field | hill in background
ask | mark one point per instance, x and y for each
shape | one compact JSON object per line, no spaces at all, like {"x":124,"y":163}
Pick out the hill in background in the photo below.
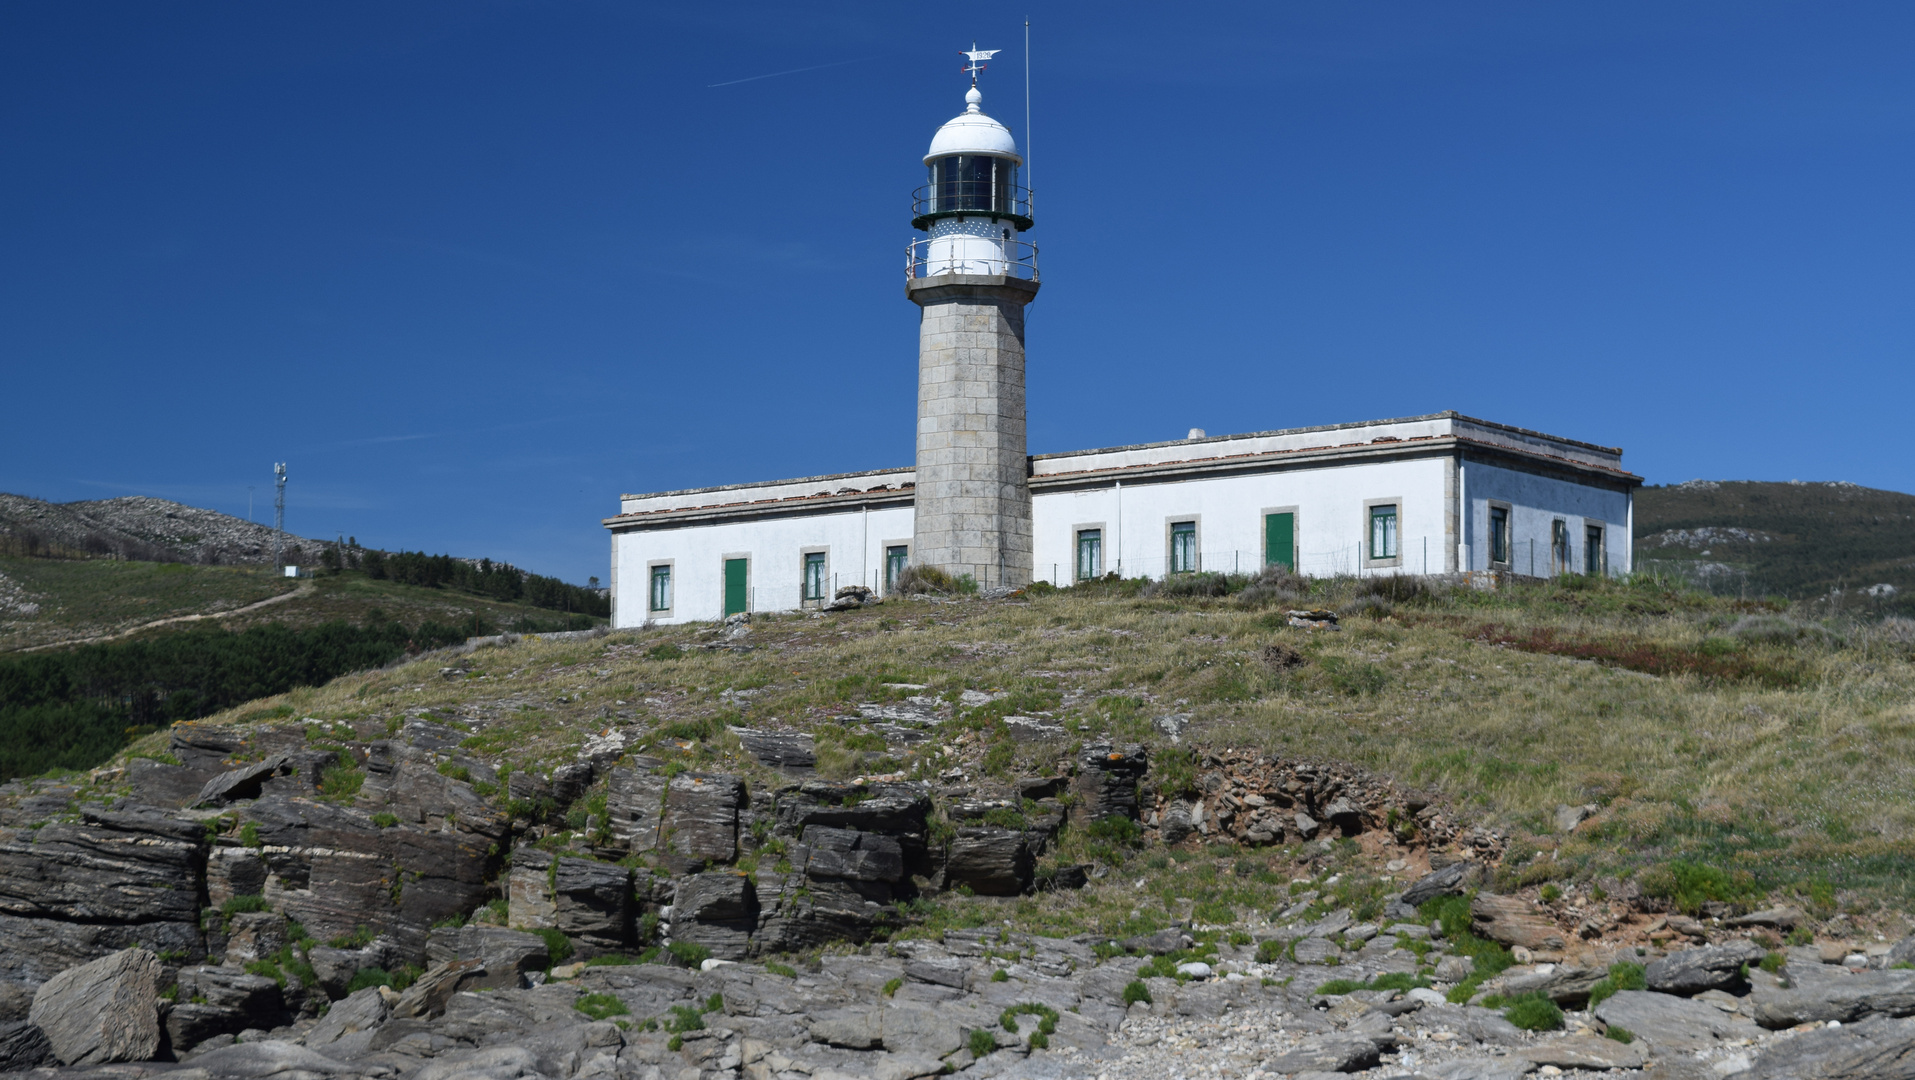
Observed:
{"x":143,"y":528}
{"x":1852,"y":547}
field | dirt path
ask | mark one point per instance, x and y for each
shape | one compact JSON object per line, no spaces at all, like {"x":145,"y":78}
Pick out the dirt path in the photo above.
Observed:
{"x":305,"y":589}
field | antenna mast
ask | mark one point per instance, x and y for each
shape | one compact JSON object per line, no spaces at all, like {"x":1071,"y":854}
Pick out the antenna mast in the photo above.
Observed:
{"x":1028,"y":185}
{"x":279,"y":513}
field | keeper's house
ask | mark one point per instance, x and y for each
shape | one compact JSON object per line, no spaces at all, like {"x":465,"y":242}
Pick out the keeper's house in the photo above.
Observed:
{"x":1432,"y":494}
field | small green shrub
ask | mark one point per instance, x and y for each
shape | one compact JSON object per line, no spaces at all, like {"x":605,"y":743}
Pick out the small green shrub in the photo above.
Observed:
{"x":892,"y":987}
{"x":686,"y":1018}
{"x":1551,"y":894}
{"x":455,"y":771}
{"x":360,"y":937}
{"x":558,"y":947}
{"x":785,"y":970}
{"x":1801,"y":935}
{"x":1534,"y":1012}
{"x":981,"y":1043}
{"x":612,"y":960}
{"x":688,"y":953}
{"x":1621,"y":1034}
{"x":1623,"y":975}
{"x":1774,"y":962}
{"x":1136,"y":992}
{"x":269,"y":969}
{"x":1117,"y":829}
{"x":665,"y":651}
{"x":366,"y":977}
{"x":242,"y":904}
{"x":385,"y":820}
{"x":601,"y":1006}
{"x":249,"y":835}
{"x":1271,"y":951}
{"x":1000,"y":975}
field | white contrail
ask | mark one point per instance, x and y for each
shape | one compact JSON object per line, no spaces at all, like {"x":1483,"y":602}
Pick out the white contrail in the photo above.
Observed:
{"x":793,"y":71}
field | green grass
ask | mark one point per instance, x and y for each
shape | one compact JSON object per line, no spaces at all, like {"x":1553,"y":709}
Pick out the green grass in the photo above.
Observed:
{"x":1534,"y":1012}
{"x":600,"y":1006}
{"x":558,"y":947}
{"x":1623,"y":975}
{"x":81,"y":598}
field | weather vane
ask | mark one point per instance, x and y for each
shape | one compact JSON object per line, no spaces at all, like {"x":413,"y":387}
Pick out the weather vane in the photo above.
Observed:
{"x":977,"y":57}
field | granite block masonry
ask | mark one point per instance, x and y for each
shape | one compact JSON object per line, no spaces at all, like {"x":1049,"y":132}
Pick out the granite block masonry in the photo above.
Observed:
{"x":973,"y":500}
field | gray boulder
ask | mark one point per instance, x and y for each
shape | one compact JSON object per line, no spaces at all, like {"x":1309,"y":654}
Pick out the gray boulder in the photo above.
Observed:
{"x":1879,"y":1049}
{"x":334,"y":968}
{"x":1591,"y":1052}
{"x":1513,"y":921}
{"x":1564,"y":984}
{"x":717,"y":909}
{"x":24,"y":1046}
{"x":102,"y":1012}
{"x":700,"y":825}
{"x":269,"y":1057}
{"x":848,"y":853}
{"x":1326,"y":1053}
{"x":1448,"y":881}
{"x":363,"y":1011}
{"x":507,"y":955}
{"x":252,"y":1001}
{"x":1692,"y":971}
{"x":1673,"y":1025}
{"x":1837,"y":996}
{"x":990,"y":861}
{"x":1163,"y":941}
{"x":427,"y":996}
{"x":241,"y":783}
{"x":1106,"y":782}
{"x":585,"y":899}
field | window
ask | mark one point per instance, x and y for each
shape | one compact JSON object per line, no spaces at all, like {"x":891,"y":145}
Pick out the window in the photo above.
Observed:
{"x":1593,"y":554}
{"x":661,"y":588}
{"x":1559,"y":547}
{"x":1183,"y":547}
{"x":1499,"y":535}
{"x":1383,"y":544}
{"x":1090,"y":553}
{"x":814,"y":588}
{"x":895,"y":558}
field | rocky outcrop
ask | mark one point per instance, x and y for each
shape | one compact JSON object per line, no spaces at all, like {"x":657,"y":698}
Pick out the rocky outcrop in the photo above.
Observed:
{"x":102,"y":1012}
{"x":718,"y":910}
{"x":1878,"y":1049}
{"x":24,"y":1046}
{"x":1106,"y":783}
{"x":989,"y":862}
{"x":1512,"y":921}
{"x":1694,"y":970}
{"x":1840,"y":996}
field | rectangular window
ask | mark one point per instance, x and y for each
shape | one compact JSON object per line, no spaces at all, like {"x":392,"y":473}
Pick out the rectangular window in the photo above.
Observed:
{"x":661,"y":588}
{"x":1499,"y":534}
{"x":815,"y":575}
{"x":1383,"y":543}
{"x":1090,"y":554}
{"x":1558,"y":547}
{"x":895,"y":558}
{"x":1593,"y":553}
{"x":1183,"y":547}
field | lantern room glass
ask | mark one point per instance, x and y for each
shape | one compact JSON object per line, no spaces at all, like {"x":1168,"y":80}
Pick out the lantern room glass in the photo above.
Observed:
{"x":973,"y":182}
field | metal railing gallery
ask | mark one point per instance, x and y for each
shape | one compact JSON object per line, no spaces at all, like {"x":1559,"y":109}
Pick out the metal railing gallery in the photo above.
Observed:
{"x":961,"y":255}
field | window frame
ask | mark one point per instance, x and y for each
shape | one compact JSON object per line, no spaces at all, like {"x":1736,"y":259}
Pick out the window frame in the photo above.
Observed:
{"x":1077,"y":550}
{"x":885,"y":546}
{"x":1508,"y":536}
{"x":1171,"y":532}
{"x":805,"y":563}
{"x":1561,"y":555}
{"x":652,"y":608}
{"x":1372,"y":561}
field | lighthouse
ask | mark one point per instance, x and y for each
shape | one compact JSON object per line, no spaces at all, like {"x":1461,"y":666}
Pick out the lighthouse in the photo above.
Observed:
{"x":971,"y":276}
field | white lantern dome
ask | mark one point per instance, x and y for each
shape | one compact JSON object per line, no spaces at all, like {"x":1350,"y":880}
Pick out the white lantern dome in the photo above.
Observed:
{"x":972,"y":132}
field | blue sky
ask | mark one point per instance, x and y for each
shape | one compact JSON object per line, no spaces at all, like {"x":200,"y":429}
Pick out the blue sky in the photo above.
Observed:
{"x":475,"y":269}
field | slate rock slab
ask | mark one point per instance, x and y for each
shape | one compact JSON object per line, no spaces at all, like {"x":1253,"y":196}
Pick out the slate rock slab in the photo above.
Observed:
{"x":1106,"y":783}
{"x":990,"y":861}
{"x":1586,"y":1052}
{"x":1326,"y":1053}
{"x":1512,"y":921}
{"x":1835,"y":995}
{"x":269,"y":1057}
{"x":1877,"y":1049}
{"x":1673,"y":1025}
{"x":1449,"y":881}
{"x":848,"y":853}
{"x":1564,"y":984}
{"x":102,"y":1012}
{"x":24,"y":1046}
{"x":1692,"y":971}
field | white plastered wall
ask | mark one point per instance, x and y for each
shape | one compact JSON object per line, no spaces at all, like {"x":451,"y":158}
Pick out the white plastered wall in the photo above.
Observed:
{"x":853,"y":541}
{"x":1331,"y":522}
{"x":1535,"y":502}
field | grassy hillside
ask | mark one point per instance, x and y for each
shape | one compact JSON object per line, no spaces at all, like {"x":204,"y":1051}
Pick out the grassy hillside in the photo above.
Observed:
{"x":49,"y":601}
{"x":1836,"y":541}
{"x":1734,"y":751}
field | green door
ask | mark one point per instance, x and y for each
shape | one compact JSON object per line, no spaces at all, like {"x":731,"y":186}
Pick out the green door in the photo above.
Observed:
{"x":1280,"y":540}
{"x":735,"y":594}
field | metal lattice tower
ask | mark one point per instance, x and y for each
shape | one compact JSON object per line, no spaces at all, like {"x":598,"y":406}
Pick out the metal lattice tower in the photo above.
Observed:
{"x":279,"y":513}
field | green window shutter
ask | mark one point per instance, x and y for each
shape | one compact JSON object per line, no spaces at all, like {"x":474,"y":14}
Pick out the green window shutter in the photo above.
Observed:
{"x":1280,"y":540}
{"x":735,"y":594}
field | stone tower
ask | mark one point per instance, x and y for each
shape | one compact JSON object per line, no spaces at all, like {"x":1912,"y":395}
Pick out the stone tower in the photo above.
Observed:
{"x":971,"y":278}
